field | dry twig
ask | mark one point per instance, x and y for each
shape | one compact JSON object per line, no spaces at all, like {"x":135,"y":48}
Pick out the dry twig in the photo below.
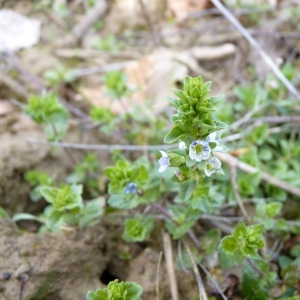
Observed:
{"x":232,"y":161}
{"x":268,"y":60}
{"x":157,"y":275}
{"x":236,"y":192}
{"x":226,"y":158}
{"x":212,"y":280}
{"x":202,"y":292}
{"x":170,"y":265}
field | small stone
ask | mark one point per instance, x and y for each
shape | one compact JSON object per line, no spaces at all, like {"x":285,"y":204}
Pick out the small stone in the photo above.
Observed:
{"x":22,"y":270}
{"x":6,"y":275}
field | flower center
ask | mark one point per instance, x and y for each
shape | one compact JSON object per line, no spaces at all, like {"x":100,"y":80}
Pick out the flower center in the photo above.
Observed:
{"x":209,"y":167}
{"x":198,"y":149}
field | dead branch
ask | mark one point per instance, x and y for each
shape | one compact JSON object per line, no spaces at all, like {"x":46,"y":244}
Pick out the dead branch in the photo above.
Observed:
{"x":236,"y":192}
{"x":232,"y":161}
{"x":170,"y":265}
{"x":268,"y":60}
{"x":202,"y":292}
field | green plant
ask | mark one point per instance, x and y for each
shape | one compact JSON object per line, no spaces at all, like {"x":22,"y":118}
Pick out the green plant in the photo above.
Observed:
{"x":37,"y":180}
{"x":108,"y":43}
{"x":184,"y":185}
{"x":58,"y":75}
{"x":46,"y":109}
{"x":117,"y":291}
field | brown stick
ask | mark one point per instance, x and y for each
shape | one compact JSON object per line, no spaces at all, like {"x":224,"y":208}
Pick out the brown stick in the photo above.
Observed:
{"x":170,"y":265}
{"x":202,"y":292}
{"x":236,"y":192}
{"x":232,"y":161}
{"x":268,"y":60}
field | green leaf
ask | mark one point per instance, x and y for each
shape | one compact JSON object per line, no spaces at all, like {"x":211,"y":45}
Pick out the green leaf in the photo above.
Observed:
{"x":178,"y":231}
{"x":273,"y":208}
{"x":100,"y":294}
{"x":116,"y":290}
{"x":259,"y":134}
{"x":65,"y":197}
{"x":228,"y":261}
{"x":248,"y":183}
{"x":173,"y":101}
{"x":91,"y":212}
{"x":55,"y":218}
{"x":186,"y":189}
{"x":229,"y":245}
{"x":138,"y":229}
{"x":190,"y":162}
{"x":239,"y":230}
{"x":216,"y":99}
{"x":261,"y":208}
{"x":25,"y":216}
{"x":173,"y":135}
{"x":3,"y":213}
{"x":122,"y":202}
{"x":295,"y":251}
{"x":210,"y":241}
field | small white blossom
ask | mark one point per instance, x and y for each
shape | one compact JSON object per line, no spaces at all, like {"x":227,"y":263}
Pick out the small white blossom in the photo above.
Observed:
{"x":212,"y":166}
{"x":164,"y":161}
{"x":199,"y":150}
{"x":182,"y":146}
{"x":212,"y":139}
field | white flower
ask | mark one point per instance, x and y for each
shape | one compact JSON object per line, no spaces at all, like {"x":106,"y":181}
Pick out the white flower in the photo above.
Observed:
{"x":212,"y":166}
{"x":212,"y":139}
{"x":163,"y":161}
{"x":182,"y":146}
{"x":199,"y":150}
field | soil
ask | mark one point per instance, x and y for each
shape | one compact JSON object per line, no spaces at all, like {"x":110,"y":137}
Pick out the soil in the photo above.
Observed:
{"x":55,"y":266}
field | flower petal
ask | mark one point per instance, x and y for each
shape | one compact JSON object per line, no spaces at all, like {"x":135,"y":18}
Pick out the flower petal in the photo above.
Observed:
{"x":162,"y":168}
{"x":216,"y":163}
{"x":182,"y":146}
{"x":212,"y":137}
{"x":163,"y":153}
{"x":208,"y":173}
